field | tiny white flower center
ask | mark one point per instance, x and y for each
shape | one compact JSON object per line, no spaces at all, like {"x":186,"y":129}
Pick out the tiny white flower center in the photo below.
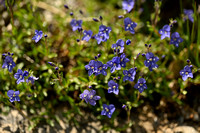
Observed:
{"x":91,"y":96}
{"x":107,"y":110}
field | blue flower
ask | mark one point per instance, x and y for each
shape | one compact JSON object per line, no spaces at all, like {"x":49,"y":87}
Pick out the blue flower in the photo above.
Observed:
{"x":8,"y":63}
{"x":186,"y":72}
{"x":101,"y":68}
{"x":13,"y":95}
{"x":20,"y":75}
{"x":189,"y":15}
{"x":103,"y":34}
{"x":140,"y":85}
{"x":129,"y":75}
{"x":89,"y":97}
{"x":165,"y":31}
{"x":123,"y":60}
{"x":103,"y":30}
{"x":99,"y":38}
{"x":151,"y":61}
{"x":96,"y":67}
{"x":128,"y":42}
{"x":128,"y":5}
{"x":108,"y":110}
{"x":31,"y":79}
{"x":38,"y":36}
{"x":113,"y":87}
{"x":91,"y":67}
{"x":119,"y":45}
{"x":176,"y":39}
{"x":114,"y":64}
{"x":76,"y":24}
{"x":52,"y":64}
{"x":129,"y":25}
{"x":87,"y":35}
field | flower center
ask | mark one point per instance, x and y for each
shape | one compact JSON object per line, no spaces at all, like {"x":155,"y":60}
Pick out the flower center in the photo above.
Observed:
{"x":114,"y":87}
{"x":150,"y":59}
{"x":14,"y":95}
{"x":186,"y":73}
{"x":85,"y":95}
{"x":100,"y":68}
{"x":141,"y":84}
{"x":107,"y":110}
{"x":129,"y":75}
{"x":91,"y":96}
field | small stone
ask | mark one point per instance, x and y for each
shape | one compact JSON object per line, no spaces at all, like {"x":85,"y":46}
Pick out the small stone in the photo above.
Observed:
{"x":184,"y":129}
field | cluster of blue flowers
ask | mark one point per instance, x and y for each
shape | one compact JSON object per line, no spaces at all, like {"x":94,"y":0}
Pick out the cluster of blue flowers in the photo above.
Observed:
{"x":96,"y":67}
{"x":20,"y":76}
{"x":175,"y":37}
{"x":120,"y":60}
{"x":176,"y":40}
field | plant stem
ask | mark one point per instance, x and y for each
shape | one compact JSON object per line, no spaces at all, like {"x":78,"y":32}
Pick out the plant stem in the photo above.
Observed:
{"x":129,"y":114}
{"x":47,"y":51}
{"x":138,"y":97}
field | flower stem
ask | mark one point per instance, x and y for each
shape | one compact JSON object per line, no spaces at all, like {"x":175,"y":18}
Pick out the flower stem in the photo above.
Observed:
{"x":47,"y":51}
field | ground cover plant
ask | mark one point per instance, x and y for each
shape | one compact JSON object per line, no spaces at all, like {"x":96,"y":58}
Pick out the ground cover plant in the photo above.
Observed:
{"x":106,"y":58}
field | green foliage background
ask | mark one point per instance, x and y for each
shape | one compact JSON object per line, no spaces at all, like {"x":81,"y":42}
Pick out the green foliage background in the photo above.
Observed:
{"x":54,"y":89}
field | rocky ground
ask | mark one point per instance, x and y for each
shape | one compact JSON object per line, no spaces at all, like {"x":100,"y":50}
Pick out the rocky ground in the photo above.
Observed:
{"x":147,"y":121}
